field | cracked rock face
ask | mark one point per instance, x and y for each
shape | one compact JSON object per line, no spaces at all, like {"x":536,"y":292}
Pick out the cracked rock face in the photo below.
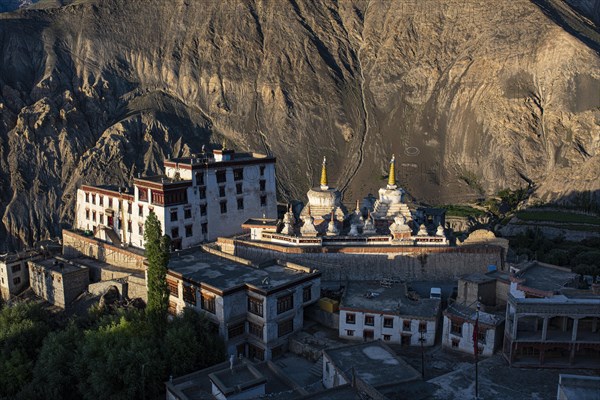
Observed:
{"x":462,"y":92}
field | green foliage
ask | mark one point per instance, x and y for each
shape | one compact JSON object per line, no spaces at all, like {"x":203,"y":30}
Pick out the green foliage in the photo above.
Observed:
{"x":559,"y":217}
{"x":460,"y":210}
{"x":157,"y":254}
{"x":585,"y":269}
{"x":22,"y":331}
{"x":113,"y":356}
{"x":556,"y":251}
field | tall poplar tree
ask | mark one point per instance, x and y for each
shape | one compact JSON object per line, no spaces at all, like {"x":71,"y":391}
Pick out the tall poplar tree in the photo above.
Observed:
{"x":157,"y":255}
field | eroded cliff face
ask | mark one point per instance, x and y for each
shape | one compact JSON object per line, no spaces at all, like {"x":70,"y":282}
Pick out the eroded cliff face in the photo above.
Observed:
{"x":95,"y":92}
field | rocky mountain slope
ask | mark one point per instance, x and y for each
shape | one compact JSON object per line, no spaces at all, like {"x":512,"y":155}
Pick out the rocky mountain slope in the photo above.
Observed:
{"x":471,"y":96}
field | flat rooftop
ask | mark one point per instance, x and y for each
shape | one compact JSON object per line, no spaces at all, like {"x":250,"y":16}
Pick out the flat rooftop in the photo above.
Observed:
{"x":373,"y":362}
{"x":223,"y":272}
{"x":198,"y":386}
{"x":208,"y":157}
{"x":478,"y":277}
{"x":370,"y":295}
{"x":162,"y":179}
{"x":59,"y":264}
{"x":545,"y":277}
{"x":242,"y":376}
{"x":578,"y":387}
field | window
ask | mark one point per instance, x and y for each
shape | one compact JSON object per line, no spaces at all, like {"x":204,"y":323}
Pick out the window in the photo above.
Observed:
{"x":129,"y":208}
{"x":350,"y":318}
{"x":285,"y":303}
{"x":189,"y":294}
{"x":110,"y":202}
{"x":94,"y":216}
{"x":87,"y":197}
{"x":240,"y":204}
{"x":173,"y":215}
{"x":255,"y":330}
{"x":238,"y":188}
{"x":481,"y":334}
{"x":262,"y":170}
{"x":223,"y":207}
{"x":406,"y":325}
{"x":455,"y":343}
{"x":236,"y":330}
{"x":100,"y":200}
{"x":387,"y":338}
{"x":368,"y":334}
{"x":188,"y":231}
{"x":173,"y":287}
{"x":263,"y":184}
{"x":306,"y":294}
{"x":221,"y":191}
{"x":143,"y":194}
{"x":238,"y":174}
{"x":16,"y":268}
{"x":129,"y":226}
{"x":93,"y":199}
{"x":202,"y":193}
{"x":369,"y":320}
{"x":141,"y":229}
{"x":263,"y":200}
{"x":256,"y":352}
{"x":174,"y":233}
{"x":285,"y":327}
{"x":423,"y":326}
{"x":255,"y":306}
{"x":187,"y":213}
{"x":87,"y":214}
{"x":349,"y":332}
{"x":221,"y":176}
{"x":203,"y":210}
{"x":208,"y":303}
{"x":388,"y":322}
{"x":456,"y":328}
{"x":17,"y":280}
{"x":199,"y":178}
{"x":141,"y":211}
{"x":204,"y":227}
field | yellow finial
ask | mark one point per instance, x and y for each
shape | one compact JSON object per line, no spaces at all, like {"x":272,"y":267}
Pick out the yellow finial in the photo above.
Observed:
{"x":224,"y":144}
{"x":392,"y":175}
{"x":324,"y":175}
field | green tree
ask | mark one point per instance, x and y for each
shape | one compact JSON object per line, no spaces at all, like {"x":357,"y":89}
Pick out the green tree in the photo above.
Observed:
{"x":157,"y":255}
{"x":22,"y":331}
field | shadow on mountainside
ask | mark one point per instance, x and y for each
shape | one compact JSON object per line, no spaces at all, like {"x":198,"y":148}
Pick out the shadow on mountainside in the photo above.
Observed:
{"x":568,"y":19}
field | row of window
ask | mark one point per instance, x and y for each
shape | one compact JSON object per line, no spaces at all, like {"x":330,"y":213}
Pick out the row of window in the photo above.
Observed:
{"x":456,"y":329}
{"x":238,"y":175}
{"x":110,"y":202}
{"x":283,"y":328}
{"x":284,"y":303}
{"x":388,"y":322}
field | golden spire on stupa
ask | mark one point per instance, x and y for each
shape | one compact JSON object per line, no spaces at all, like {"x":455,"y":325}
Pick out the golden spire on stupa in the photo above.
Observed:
{"x":324,"y":185}
{"x":392,"y":175}
{"x":224,"y":144}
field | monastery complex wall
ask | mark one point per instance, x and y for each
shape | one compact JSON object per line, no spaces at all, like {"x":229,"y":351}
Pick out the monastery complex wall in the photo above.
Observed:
{"x":368,"y":263}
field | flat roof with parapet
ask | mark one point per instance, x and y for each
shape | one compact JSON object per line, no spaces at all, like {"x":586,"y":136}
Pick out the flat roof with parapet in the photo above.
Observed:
{"x":545,"y":277}
{"x":225,"y":273}
{"x":579,"y":387}
{"x":59,"y":264}
{"x":373,"y":362}
{"x":371,"y":296}
{"x":261,"y":222}
{"x":241,"y":377}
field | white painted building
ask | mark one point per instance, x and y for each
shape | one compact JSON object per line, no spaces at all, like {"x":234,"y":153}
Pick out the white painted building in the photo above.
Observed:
{"x":198,"y":199}
{"x":14,"y":274}
{"x":381,"y":310}
{"x":256,"y":307}
{"x":459,"y":326}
